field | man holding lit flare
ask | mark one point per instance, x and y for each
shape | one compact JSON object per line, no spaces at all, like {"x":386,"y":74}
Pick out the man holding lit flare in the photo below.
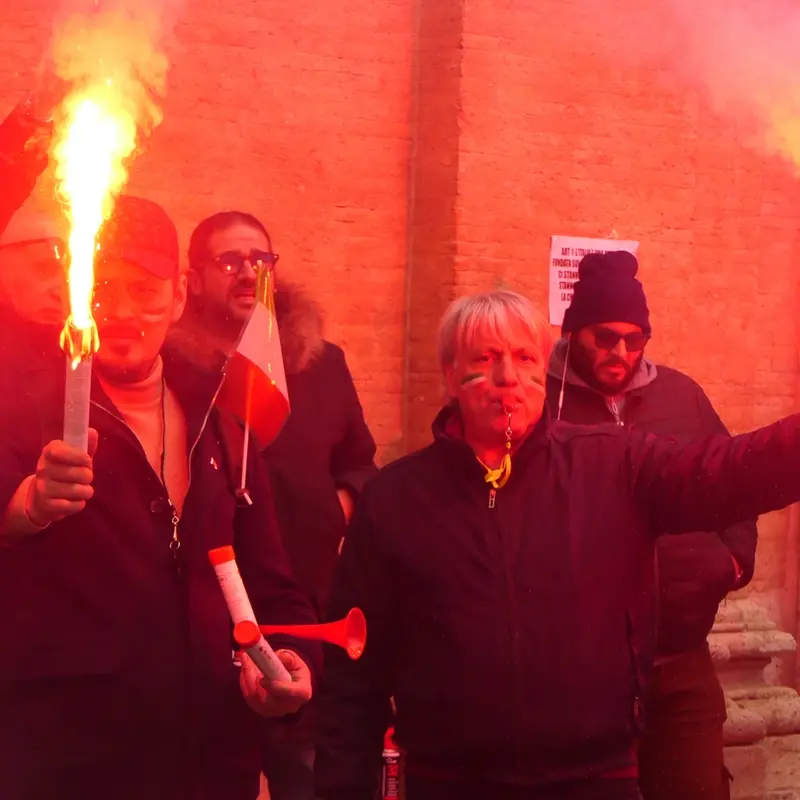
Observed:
{"x":118,"y":677}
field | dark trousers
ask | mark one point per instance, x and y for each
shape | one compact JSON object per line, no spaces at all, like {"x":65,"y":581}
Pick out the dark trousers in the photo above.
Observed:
{"x":419,"y":788}
{"x":288,"y":759}
{"x":680,"y":755}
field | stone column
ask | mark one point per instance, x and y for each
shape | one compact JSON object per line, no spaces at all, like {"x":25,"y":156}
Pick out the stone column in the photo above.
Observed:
{"x":434,"y":178}
{"x":762,"y":734}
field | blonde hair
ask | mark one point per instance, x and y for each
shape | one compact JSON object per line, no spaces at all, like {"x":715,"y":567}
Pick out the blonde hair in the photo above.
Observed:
{"x":497,"y":312}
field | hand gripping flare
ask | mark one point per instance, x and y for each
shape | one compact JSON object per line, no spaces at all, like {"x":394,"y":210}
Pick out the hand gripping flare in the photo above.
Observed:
{"x":349,"y":633}
{"x":223,"y":559}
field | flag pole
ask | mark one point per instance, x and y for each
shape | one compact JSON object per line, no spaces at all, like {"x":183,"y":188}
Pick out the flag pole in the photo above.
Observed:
{"x":263,"y":295}
{"x":246,"y":444}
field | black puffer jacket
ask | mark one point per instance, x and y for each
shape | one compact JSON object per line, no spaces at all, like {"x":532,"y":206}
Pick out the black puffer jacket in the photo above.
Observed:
{"x":324,"y":446}
{"x":697,"y":570}
{"x":504,"y":633}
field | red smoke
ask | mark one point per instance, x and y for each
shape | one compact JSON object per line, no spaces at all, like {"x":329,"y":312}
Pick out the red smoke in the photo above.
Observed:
{"x":743,"y":56}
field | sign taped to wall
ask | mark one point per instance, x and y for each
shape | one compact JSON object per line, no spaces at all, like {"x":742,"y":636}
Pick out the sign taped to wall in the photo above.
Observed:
{"x":566,"y":253}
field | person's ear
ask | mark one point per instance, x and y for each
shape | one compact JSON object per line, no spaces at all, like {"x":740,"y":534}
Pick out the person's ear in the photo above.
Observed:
{"x":450,"y":382}
{"x":195,"y":283}
{"x":179,"y":299}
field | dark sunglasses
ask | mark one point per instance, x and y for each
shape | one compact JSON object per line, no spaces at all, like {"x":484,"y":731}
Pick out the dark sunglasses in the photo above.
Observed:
{"x":232,"y":262}
{"x":607,"y":339}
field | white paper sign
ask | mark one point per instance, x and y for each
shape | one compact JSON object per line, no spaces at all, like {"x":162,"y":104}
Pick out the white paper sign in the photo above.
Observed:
{"x":566,"y":253}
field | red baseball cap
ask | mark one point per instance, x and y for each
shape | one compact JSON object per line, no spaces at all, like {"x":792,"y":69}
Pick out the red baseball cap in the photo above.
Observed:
{"x":140,"y":231}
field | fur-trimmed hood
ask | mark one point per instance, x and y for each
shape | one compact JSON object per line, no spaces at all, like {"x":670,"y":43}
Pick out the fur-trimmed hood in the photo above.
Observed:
{"x":300,"y":325}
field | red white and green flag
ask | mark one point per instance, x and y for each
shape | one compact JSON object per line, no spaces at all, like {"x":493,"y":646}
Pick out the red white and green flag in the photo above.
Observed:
{"x":254,"y":384}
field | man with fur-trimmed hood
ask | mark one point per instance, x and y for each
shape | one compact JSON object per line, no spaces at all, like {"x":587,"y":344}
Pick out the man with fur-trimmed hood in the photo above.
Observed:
{"x":324,"y":454}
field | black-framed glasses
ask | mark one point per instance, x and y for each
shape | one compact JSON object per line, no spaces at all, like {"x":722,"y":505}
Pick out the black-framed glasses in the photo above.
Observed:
{"x":606,"y":339}
{"x":233,"y":262}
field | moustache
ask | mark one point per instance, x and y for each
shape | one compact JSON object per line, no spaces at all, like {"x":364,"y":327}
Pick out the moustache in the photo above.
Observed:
{"x":506,"y":400}
{"x":616,"y":363}
{"x":116,"y":331}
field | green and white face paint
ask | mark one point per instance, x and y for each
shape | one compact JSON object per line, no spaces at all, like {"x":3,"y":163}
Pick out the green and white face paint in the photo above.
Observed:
{"x":474,"y":379}
{"x":535,"y":376}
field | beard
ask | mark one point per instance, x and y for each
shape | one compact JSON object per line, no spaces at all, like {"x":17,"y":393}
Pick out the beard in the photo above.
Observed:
{"x":125,"y":373}
{"x":581,"y":362}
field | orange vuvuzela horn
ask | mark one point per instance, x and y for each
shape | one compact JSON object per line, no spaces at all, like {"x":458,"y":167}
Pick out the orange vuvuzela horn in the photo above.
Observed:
{"x":349,"y":633}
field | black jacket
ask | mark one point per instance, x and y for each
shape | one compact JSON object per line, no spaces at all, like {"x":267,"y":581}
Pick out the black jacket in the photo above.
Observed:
{"x":324,"y":446}
{"x":695,"y":571}
{"x":504,"y":634}
{"x":116,"y":673}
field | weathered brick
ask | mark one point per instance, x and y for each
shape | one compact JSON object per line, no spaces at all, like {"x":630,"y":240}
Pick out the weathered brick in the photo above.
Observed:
{"x":299,"y":113}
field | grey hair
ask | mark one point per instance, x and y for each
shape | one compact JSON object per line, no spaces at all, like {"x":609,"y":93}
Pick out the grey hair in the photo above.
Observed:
{"x":497,"y":312}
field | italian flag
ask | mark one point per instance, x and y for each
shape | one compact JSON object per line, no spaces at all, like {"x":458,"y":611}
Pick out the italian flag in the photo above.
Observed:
{"x":254,"y":383}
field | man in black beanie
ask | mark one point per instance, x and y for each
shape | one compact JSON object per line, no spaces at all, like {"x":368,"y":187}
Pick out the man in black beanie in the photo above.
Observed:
{"x":598,"y":374}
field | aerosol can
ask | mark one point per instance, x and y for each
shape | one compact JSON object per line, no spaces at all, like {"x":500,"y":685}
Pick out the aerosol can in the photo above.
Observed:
{"x":390,"y":774}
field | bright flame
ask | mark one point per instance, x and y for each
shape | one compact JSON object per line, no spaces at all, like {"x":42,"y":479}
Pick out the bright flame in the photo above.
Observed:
{"x":115,"y":69}
{"x":98,"y":136}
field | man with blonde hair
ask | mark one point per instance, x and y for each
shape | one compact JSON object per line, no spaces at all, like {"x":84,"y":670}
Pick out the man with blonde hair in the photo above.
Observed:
{"x":501,"y":573}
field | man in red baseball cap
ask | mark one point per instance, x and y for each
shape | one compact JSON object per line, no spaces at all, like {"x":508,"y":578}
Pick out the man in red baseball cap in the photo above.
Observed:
{"x":117,"y":677}
{"x":140,"y":291}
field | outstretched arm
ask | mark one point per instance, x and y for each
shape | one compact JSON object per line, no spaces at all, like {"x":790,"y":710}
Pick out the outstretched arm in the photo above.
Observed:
{"x":741,"y":538}
{"x":712,"y":483}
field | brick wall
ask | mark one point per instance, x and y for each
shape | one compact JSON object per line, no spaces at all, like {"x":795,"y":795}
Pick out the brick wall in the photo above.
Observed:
{"x":562,"y":136}
{"x":435,"y":160}
{"x":297,"y":112}
{"x":406,"y":151}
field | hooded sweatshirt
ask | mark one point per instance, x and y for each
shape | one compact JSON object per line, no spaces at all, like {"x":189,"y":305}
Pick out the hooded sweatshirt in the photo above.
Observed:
{"x":562,"y":371}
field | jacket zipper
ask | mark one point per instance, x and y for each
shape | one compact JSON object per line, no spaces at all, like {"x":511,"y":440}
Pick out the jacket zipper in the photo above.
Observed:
{"x":512,"y":618}
{"x":175,"y":519}
{"x":203,"y":424}
{"x":637,"y":677}
{"x":614,"y":408}
{"x":175,"y":541}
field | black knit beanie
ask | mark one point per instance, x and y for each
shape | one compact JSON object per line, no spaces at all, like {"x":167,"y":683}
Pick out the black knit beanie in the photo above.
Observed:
{"x":607,"y":291}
